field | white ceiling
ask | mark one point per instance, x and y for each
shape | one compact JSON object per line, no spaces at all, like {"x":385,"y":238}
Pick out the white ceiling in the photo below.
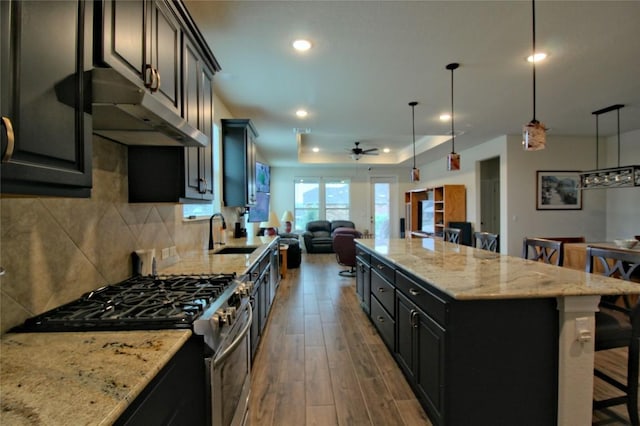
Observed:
{"x":371,"y":58}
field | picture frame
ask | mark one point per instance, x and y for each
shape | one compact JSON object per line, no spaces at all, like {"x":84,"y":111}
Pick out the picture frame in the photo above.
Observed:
{"x":558,"y":190}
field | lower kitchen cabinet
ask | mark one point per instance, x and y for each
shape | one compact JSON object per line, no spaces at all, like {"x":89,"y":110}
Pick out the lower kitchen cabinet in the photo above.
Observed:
{"x":420,"y":352}
{"x":363,"y":283}
{"x":261,"y":295}
{"x":177,"y":395}
{"x":468,"y":361}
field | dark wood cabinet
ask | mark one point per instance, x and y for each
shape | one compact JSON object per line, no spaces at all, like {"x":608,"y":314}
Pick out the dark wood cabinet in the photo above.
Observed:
{"x":141,"y":40}
{"x":198,"y":111}
{"x":420,"y":353}
{"x":46,"y":121}
{"x":468,"y":361}
{"x":239,"y":162}
{"x":192,"y":177}
{"x":363,"y":282}
{"x":176,"y":395}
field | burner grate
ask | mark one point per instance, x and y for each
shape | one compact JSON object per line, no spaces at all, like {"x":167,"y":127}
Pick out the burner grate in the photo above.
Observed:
{"x":143,"y":302}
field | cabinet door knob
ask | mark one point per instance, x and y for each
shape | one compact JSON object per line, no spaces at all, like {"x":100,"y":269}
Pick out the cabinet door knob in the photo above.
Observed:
{"x":380,"y":318}
{"x":381,"y":290}
{"x":8,"y":130}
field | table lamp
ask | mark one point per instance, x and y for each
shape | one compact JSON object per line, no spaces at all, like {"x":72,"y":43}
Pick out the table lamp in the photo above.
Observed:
{"x":287,"y":218}
{"x":270,"y":225}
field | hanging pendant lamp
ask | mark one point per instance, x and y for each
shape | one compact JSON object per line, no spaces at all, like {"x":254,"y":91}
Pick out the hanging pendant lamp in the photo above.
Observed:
{"x":614,"y":177}
{"x":415,"y":173}
{"x":534,"y":135}
{"x":453,"y":159}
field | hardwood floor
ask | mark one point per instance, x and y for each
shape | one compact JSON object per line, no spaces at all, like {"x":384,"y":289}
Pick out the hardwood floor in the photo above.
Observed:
{"x":321,"y":362}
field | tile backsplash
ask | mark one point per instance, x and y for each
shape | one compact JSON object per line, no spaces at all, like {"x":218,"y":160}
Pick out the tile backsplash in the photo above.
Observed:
{"x":55,"y":249}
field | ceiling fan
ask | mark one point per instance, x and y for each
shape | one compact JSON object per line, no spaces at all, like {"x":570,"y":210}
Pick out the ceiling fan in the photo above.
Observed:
{"x":357,"y":152}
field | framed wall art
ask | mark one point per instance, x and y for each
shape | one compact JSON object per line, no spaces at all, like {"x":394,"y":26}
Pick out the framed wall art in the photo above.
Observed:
{"x":558,"y":190}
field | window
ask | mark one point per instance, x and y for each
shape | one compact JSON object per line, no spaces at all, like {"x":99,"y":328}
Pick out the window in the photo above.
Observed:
{"x":336,"y":200}
{"x":317,"y":198}
{"x":307,"y":202}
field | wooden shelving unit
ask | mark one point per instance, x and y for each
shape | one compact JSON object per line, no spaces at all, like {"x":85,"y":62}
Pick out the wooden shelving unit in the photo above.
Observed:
{"x":447,"y":204}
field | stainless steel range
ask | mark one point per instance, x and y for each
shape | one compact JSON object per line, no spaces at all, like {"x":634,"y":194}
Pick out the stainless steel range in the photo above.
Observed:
{"x":214,"y":306}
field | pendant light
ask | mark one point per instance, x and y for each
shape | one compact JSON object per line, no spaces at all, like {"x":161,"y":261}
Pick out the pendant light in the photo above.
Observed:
{"x":534,"y":133}
{"x":453,"y":159}
{"x":415,"y":173}
{"x":615,"y":177}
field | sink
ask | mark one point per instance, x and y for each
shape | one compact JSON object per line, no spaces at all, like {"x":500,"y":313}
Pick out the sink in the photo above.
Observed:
{"x":236,"y":250}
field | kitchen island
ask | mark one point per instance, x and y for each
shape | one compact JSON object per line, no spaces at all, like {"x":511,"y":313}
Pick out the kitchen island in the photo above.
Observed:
{"x":61,"y":378}
{"x":484,"y":337}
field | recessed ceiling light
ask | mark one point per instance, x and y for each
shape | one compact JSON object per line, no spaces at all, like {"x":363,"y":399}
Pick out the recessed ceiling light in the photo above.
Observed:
{"x":537,"y":57}
{"x":301,"y":113}
{"x":302,"y":45}
{"x":445,"y":117}
{"x":315,"y":149}
{"x":386,"y":150}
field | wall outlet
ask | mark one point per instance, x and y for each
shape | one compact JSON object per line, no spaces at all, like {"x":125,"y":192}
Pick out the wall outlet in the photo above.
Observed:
{"x":165,"y":253}
{"x":173,"y":251}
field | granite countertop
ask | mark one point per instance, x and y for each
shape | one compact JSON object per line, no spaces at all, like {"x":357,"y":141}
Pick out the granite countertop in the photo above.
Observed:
{"x":208,"y":262}
{"x":91,"y":378}
{"x":79,"y":378}
{"x":467,"y":273}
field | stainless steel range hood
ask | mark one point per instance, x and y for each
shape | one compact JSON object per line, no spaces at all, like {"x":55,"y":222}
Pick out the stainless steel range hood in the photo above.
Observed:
{"x":125,"y":113}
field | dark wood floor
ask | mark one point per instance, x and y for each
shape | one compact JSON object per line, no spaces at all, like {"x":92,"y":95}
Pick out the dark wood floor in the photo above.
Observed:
{"x":321,"y":362}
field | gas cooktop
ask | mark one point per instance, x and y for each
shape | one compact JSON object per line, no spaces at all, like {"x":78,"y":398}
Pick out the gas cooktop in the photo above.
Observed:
{"x":140,"y":303}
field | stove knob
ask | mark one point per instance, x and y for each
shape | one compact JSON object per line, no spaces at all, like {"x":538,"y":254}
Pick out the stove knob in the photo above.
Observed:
{"x":220,"y":317}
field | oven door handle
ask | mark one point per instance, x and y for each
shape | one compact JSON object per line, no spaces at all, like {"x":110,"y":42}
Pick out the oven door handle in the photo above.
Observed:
{"x":224,"y":355}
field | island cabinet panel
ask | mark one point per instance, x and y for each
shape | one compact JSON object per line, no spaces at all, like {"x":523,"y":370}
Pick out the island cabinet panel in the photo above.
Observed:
{"x":45,"y":132}
{"x":363,"y":282}
{"x":483,"y":361}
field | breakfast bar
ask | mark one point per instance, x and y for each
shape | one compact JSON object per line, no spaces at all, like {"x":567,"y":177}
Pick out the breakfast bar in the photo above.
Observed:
{"x":526,"y":326}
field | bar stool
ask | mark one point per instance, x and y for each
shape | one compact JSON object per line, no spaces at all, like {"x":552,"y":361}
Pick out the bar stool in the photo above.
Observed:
{"x":452,"y":235}
{"x":540,"y":249}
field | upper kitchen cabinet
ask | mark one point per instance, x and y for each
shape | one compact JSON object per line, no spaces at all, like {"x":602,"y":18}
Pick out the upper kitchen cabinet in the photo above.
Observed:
{"x":46,"y":125}
{"x":139,"y":84}
{"x":238,"y":162}
{"x":174,"y":174}
{"x":141,"y":41}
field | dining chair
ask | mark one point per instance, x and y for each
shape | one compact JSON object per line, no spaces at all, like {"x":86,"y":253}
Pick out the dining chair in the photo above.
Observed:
{"x":618,"y":325}
{"x":486,"y":241}
{"x":540,"y":249}
{"x":452,"y":235}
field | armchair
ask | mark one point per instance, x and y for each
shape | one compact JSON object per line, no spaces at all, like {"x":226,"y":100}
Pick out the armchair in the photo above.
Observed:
{"x":317,"y":237}
{"x":345,"y":249}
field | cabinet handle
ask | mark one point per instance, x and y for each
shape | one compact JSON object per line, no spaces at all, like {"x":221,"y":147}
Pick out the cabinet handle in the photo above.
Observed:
{"x":148,"y":76}
{"x":8,"y":130}
{"x":413,"y":292}
{"x":154,"y":88}
{"x":381,"y":289}
{"x":380,"y":318}
{"x":380,"y":267}
{"x":413,"y":316}
{"x":202,"y":186}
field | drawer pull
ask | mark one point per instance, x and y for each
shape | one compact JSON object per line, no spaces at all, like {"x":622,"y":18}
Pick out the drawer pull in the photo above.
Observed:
{"x":381,"y":290}
{"x":380,"y":318}
{"x":380,"y":267}
{"x":414,"y":292}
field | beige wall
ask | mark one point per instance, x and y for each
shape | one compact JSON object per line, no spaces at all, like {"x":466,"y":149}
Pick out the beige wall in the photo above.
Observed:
{"x":56,"y":249}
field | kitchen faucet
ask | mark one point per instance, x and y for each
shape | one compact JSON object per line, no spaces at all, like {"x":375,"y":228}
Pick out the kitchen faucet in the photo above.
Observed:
{"x":224,"y":226}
